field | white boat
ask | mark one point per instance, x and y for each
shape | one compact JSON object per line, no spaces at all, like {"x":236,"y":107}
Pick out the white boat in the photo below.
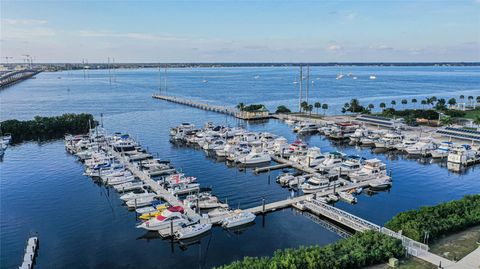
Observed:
{"x":332,"y":160}
{"x":462,"y":155}
{"x":163,"y":221}
{"x":129,"y":186}
{"x":297,"y":181}
{"x":340,"y":76}
{"x":423,"y":147}
{"x":238,"y":218}
{"x":372,"y":169}
{"x":389,"y":140}
{"x":182,"y":127}
{"x":406,"y":142}
{"x":350,"y":165}
{"x":256,"y":156}
{"x":373,"y":76}
{"x":144,"y":201}
{"x":192,"y":230}
{"x":315,"y":184}
{"x":120,"y":180}
{"x":347,"y":197}
{"x":443,"y":150}
{"x":284,"y":178}
{"x":381,"y":183}
{"x":132,"y":196}
{"x":313,"y":157}
{"x":309,"y":128}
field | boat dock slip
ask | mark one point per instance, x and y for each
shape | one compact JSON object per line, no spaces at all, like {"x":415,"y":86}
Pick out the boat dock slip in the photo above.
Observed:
{"x":219,"y":109}
{"x":270,"y":168}
{"x":294,"y":165}
{"x":30,"y":253}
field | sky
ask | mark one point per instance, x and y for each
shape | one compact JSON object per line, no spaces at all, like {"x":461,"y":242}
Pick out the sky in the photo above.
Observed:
{"x":241,"y":31}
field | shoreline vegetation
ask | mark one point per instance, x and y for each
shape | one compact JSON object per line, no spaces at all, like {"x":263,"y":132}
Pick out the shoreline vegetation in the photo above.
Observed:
{"x":45,"y":128}
{"x":429,"y":223}
{"x":360,"y":250}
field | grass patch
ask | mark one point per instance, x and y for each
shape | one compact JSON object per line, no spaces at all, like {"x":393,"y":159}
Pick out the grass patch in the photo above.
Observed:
{"x":457,"y":246}
{"x":410,"y":263}
{"x":472,"y":114}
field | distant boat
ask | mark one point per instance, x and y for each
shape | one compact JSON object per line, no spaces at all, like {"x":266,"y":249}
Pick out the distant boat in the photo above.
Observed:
{"x":205,"y":81}
{"x":373,"y":76}
{"x":340,"y":76}
{"x":354,"y":78}
{"x":257,"y":77}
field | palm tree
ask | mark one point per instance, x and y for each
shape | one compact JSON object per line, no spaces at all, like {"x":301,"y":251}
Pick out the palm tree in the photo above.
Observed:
{"x":452,"y":102}
{"x":324,"y":107}
{"x":382,"y":106}
{"x":370,"y":107}
{"x":476,"y":121}
{"x":404,"y":102}
{"x":304,"y":105}
{"x":478,"y":99}
{"x":446,"y":120}
{"x":241,"y":106}
{"x":393,"y":103}
{"x":414,"y":102}
{"x":310,"y":109}
{"x":470,"y":100}
{"x":462,"y":97}
{"x":317,"y":106}
{"x":423,"y":102}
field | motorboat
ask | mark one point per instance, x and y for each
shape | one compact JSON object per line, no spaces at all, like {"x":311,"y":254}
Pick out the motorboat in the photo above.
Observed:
{"x":462,"y":155}
{"x":279,"y":146}
{"x":406,"y":142}
{"x":373,"y":77}
{"x":192,"y":230}
{"x":284,"y":178}
{"x":238,"y":218}
{"x":203,"y":200}
{"x":164,"y":220}
{"x":128,"y":186}
{"x":389,"y":140}
{"x":297,"y":181}
{"x":256,"y":156}
{"x":443,"y":150}
{"x":347,"y":197}
{"x":332,"y":160}
{"x":181,"y":127}
{"x":152,"y":214}
{"x":313,"y":157}
{"x":350,"y":165}
{"x":184,"y":188}
{"x":140,"y":202}
{"x":315,"y":184}
{"x":309,"y":128}
{"x":381,"y":183}
{"x":340,"y":76}
{"x":132,"y":195}
{"x":423,"y":147}
{"x":372,"y":169}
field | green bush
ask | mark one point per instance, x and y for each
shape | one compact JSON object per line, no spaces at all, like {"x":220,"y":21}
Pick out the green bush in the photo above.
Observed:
{"x":455,"y":113}
{"x":438,"y":220}
{"x":43,"y":128}
{"x":360,"y":250}
{"x":416,"y":114}
{"x":283,"y":109}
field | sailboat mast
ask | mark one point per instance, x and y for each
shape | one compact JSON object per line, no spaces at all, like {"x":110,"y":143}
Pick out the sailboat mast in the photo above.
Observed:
{"x":308,"y":82}
{"x":301,"y":88}
{"x":165,"y":78}
{"x":159,"y":79}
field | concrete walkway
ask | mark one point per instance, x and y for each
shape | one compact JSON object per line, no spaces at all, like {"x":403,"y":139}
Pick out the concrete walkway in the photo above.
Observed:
{"x":471,"y":261}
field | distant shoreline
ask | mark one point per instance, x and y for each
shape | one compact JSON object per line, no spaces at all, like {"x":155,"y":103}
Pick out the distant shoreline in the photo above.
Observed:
{"x":70,"y":66}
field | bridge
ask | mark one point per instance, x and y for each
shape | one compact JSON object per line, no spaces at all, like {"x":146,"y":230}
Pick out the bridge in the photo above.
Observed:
{"x":12,"y":77}
{"x":358,"y":224}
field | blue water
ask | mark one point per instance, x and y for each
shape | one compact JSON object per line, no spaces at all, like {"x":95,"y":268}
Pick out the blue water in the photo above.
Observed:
{"x":83,"y":225}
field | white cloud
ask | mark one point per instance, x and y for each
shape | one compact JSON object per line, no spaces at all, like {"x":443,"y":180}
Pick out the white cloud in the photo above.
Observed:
{"x":23,"y":22}
{"x":380,"y":47}
{"x":334,"y":48}
{"x":130,"y":35}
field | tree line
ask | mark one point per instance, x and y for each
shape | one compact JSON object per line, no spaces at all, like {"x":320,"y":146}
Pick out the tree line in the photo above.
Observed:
{"x":44,"y":128}
{"x":432,"y":222}
{"x":360,"y":250}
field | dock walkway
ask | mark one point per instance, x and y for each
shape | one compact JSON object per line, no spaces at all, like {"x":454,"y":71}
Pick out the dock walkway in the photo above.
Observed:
{"x":219,"y":109}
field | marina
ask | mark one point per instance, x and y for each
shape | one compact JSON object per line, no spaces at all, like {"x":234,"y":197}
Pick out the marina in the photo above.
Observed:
{"x":240,"y":187}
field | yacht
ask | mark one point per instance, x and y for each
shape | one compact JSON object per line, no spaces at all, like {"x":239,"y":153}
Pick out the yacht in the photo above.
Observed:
{"x":350,"y":165}
{"x":315,"y":184}
{"x":144,"y":201}
{"x":129,"y":186}
{"x":389,"y":140}
{"x":284,"y":178}
{"x":333,"y":159}
{"x":280,"y":145}
{"x":406,"y":142}
{"x":297,"y":181}
{"x":313,"y":157}
{"x":309,"y":128}
{"x":373,"y":169}
{"x":423,"y":147}
{"x":462,"y":154}
{"x":443,"y":150}
{"x":238,"y":218}
{"x":182,"y":127}
{"x":358,"y":135}
{"x":132,"y":195}
{"x":256,"y":156}
{"x":192,"y":230}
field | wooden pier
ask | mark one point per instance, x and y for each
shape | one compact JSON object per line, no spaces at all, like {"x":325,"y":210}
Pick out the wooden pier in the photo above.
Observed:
{"x":219,"y":109}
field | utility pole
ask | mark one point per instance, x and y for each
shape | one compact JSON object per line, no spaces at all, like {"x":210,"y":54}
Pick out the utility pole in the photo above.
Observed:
{"x":301,"y":87}
{"x":308,"y":82}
